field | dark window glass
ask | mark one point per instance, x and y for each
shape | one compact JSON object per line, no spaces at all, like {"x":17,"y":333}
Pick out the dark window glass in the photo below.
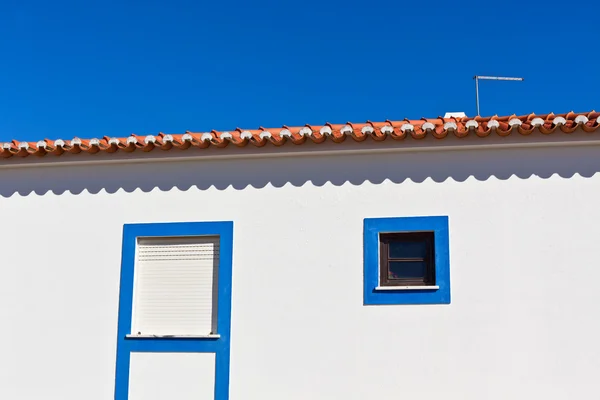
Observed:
{"x":407,"y":269}
{"x":407,"y":249}
{"x":407,"y":259}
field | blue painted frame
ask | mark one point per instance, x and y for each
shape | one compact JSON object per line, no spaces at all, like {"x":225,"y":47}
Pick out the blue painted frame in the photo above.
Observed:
{"x":373,"y":227}
{"x":220,"y":346}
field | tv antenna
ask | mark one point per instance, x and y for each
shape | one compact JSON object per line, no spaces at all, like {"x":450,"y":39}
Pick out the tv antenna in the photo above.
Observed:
{"x":490,"y":78}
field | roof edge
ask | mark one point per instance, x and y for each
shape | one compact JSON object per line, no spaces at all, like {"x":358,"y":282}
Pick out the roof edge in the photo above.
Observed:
{"x":385,"y":133}
{"x":577,"y":138}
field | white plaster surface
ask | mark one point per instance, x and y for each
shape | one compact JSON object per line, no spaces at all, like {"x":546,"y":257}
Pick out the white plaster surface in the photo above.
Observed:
{"x":524,"y":231}
{"x":174,"y":376}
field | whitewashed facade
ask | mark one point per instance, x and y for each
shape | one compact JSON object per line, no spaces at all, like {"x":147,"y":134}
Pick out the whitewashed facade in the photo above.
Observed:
{"x":522,"y":321}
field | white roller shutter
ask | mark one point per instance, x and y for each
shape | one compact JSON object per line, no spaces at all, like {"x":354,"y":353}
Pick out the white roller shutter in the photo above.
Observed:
{"x":176,"y":286}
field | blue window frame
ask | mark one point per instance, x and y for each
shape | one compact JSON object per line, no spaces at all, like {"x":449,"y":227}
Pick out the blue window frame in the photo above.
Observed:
{"x":219,"y":346}
{"x":373,"y":294}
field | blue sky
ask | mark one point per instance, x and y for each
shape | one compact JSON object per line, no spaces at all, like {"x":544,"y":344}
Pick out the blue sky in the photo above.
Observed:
{"x":90,"y":69}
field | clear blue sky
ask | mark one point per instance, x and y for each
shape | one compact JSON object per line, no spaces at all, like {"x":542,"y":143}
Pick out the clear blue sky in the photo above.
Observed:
{"x":89,"y":69}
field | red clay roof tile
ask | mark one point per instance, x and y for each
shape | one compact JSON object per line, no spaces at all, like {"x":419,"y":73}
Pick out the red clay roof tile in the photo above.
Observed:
{"x":439,"y":128}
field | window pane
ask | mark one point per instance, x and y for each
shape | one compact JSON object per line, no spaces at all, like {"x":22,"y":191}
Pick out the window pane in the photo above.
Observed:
{"x":406,"y":270}
{"x":408,"y":249}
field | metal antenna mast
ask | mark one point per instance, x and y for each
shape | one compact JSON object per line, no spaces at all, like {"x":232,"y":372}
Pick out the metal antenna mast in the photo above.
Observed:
{"x":489,"y":78}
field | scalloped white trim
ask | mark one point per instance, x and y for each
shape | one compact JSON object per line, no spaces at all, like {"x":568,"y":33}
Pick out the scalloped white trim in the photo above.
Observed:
{"x":387,"y":129}
{"x":41,"y":144}
{"x":246,"y":135}
{"x":206,"y":137}
{"x":94,"y":142}
{"x":581,"y":119}
{"x":428,"y":126}
{"x":113,"y":140}
{"x":559,"y":121}
{"x":367,"y":130}
{"x":187,"y":137}
{"x":23,"y":145}
{"x":131,"y":140}
{"x":285,"y":133}
{"x":407,"y":127}
{"x":225,"y":136}
{"x":6,"y":146}
{"x":515,"y":122}
{"x":167,"y":138}
{"x":149,"y":139}
{"x":347,"y":130}
{"x":265,"y":135}
{"x":537,"y":122}
{"x":326,"y":130}
{"x":450,"y":126}
{"x":75,"y":141}
{"x":472,"y":124}
{"x":306,"y":131}
{"x":493,"y":124}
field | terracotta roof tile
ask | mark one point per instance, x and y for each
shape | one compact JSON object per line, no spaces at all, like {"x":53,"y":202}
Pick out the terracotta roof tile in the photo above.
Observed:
{"x":439,"y":128}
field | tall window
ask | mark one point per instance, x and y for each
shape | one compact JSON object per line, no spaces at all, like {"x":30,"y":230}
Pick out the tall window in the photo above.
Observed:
{"x":176,"y":286}
{"x":175,"y":297}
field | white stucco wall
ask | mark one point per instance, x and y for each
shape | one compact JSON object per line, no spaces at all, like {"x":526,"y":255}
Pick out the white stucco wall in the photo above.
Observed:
{"x":523,"y":234}
{"x":181,"y":376}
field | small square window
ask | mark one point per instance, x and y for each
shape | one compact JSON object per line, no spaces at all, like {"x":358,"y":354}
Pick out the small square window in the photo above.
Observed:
{"x":407,"y":259}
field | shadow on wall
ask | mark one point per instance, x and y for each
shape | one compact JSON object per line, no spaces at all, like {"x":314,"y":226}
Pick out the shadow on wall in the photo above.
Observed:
{"x":337,"y":170}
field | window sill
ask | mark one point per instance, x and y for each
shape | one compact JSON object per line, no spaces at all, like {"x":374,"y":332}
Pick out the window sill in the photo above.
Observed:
{"x":216,"y":336}
{"x":394,"y":288}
